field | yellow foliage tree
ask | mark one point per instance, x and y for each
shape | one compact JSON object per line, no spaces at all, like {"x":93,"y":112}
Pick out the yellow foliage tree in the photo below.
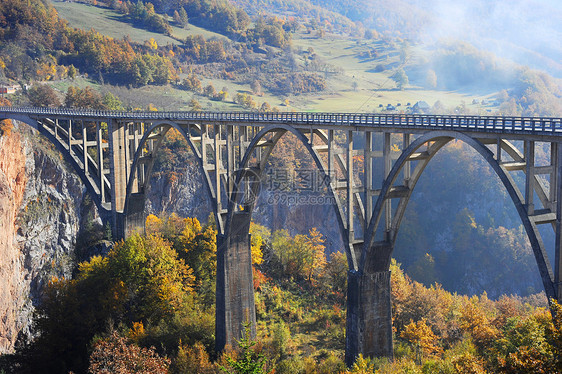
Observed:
{"x":474,"y":321}
{"x":151,"y":43}
{"x":257,"y":254}
{"x":317,"y":262}
{"x":153,"y":224}
{"x":419,"y":334}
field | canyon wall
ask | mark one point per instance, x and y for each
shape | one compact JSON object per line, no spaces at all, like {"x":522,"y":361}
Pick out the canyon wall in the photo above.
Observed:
{"x":41,"y":206}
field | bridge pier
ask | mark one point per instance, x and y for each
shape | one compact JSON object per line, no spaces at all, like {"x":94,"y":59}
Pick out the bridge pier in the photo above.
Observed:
{"x":134,"y":219}
{"x":118,"y":169}
{"x":235,"y":303}
{"x":369,"y":316}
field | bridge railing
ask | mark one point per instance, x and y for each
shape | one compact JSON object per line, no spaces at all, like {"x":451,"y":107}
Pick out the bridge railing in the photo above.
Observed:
{"x":548,"y":125}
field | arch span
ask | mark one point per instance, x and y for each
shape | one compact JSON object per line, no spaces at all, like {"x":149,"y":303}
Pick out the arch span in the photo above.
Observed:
{"x":278,"y":132}
{"x":374,"y":256}
{"x":135,"y":198}
{"x":369,"y":315}
{"x":234,"y":268}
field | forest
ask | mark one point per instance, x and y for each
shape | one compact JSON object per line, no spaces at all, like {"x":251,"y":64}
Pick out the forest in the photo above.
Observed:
{"x":148,"y":306}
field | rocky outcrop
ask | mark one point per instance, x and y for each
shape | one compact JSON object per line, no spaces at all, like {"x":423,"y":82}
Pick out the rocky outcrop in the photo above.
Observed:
{"x":40,"y":214}
{"x":181,"y":193}
{"x":13,"y":181}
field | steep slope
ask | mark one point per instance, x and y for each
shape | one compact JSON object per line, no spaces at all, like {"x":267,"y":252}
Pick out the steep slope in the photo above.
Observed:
{"x":12,"y":185}
{"x":40,"y":217}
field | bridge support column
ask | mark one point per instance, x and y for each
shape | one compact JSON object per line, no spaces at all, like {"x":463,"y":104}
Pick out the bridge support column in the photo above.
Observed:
{"x":118,"y":169}
{"x":369,"y":316}
{"x":235,"y":287}
{"x":557,"y":156}
{"x":134,"y":220}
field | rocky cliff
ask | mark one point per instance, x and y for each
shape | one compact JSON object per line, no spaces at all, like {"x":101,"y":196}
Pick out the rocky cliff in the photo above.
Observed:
{"x":40,"y":215}
{"x":12,"y":185}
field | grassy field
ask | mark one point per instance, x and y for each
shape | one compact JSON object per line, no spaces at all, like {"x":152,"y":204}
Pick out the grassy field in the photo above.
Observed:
{"x":113,"y":24}
{"x":373,"y":88}
{"x":356,"y":88}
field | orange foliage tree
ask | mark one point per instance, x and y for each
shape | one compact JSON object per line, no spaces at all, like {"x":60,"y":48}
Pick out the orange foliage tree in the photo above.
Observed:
{"x":115,"y":355}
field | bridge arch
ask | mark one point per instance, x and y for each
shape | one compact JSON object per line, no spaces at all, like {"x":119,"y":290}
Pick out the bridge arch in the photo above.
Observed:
{"x":133,"y":212}
{"x":377,"y":258}
{"x":277,"y":133}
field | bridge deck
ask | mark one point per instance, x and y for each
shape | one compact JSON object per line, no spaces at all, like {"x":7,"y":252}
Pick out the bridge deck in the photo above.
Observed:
{"x":545,"y":126}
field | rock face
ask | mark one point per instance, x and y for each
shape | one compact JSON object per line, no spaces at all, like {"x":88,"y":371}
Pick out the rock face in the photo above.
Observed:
{"x":12,"y":185}
{"x":183,"y":194}
{"x":40,"y":214}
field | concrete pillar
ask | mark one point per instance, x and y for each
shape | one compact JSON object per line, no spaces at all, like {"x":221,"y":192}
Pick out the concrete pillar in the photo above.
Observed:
{"x":369,"y":307}
{"x":369,"y":314}
{"x":134,"y":220}
{"x":235,"y":287}
{"x":557,"y":162}
{"x":118,"y":175}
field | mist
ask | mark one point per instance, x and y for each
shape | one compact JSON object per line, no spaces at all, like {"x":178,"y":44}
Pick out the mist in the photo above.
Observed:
{"x":527,"y":32}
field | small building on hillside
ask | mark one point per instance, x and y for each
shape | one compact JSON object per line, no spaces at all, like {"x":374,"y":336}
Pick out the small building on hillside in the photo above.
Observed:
{"x":9,"y":89}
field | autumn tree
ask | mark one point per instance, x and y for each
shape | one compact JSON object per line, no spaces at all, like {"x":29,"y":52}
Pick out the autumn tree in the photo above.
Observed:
{"x":112,"y":102}
{"x":42,"y":95}
{"x":265,"y":107}
{"x":195,"y":105}
{"x":420,"y":335}
{"x":184,"y":20}
{"x":141,"y":279}
{"x":196,"y":245}
{"x":256,"y":87}
{"x":222,"y":95}
{"x":317,"y":259}
{"x":192,"y":359}
{"x":83,"y":98}
{"x":210,"y":91}
{"x":191,"y":82}
{"x":301,"y":256}
{"x":6,"y":126}
{"x":245,"y":100}
{"x":115,"y":355}
{"x":176,"y":17}
{"x":72,"y":71}
{"x":336,"y":272}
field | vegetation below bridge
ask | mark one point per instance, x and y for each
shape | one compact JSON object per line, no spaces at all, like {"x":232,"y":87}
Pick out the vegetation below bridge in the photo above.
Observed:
{"x":150,"y":303}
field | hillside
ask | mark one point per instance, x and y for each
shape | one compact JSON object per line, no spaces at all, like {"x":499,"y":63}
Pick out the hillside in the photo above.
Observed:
{"x":524,"y":32}
{"x":349,"y":65}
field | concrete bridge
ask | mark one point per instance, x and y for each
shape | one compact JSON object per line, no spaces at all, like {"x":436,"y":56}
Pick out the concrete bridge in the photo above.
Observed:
{"x":372,"y":164}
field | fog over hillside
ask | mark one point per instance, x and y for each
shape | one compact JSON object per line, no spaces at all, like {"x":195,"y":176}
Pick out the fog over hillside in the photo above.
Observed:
{"x":525,"y":31}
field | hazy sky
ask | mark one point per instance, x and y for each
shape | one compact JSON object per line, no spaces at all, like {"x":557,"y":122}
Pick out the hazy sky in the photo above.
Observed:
{"x":528,"y":32}
{"x":516,"y":29}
